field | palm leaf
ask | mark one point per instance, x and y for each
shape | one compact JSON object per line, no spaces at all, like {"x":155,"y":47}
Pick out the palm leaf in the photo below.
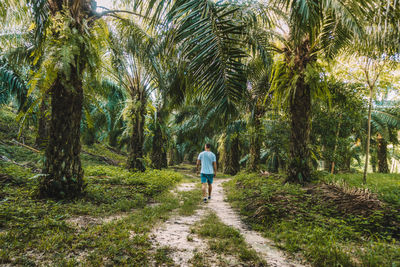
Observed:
{"x":40,"y":10}
{"x":211,"y":42}
{"x":11,"y":84}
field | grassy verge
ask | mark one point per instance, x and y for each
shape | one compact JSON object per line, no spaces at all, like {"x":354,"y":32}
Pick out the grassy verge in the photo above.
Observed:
{"x":39,"y":231}
{"x":190,"y":201}
{"x":224,"y":240}
{"x":109,"y":225}
{"x":328,"y":226}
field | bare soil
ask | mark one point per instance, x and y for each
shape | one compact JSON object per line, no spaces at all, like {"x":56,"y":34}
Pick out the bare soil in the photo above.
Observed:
{"x":85,"y":221}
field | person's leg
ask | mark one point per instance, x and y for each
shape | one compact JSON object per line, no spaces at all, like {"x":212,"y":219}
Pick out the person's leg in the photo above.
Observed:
{"x":204,"y":189}
{"x":210,"y":179}
{"x":204,"y":186}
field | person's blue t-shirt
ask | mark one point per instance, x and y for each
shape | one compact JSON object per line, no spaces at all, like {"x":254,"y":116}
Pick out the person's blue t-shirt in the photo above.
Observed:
{"x":207,"y":158}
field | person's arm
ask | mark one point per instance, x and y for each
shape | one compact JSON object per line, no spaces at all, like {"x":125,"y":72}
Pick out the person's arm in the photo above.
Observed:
{"x":198,"y":166}
{"x":215,"y":168}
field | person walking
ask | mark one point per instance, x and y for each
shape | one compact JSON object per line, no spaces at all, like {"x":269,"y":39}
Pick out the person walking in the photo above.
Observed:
{"x":208,"y":163}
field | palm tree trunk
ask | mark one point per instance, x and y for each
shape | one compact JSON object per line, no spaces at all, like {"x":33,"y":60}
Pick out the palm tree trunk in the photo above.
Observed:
{"x":43,"y":124}
{"x":232,"y":157}
{"x":373,"y":160}
{"x":368,"y":136}
{"x":383,"y":166}
{"x":255,"y":139}
{"x":347,"y":164}
{"x":135,"y":158}
{"x":62,"y":168}
{"x":158,"y":152}
{"x":164,"y":158}
{"x":89,"y":136}
{"x":173,"y":155}
{"x":335,"y":145}
{"x":254,"y":153}
{"x":299,"y":169}
{"x":64,"y":174}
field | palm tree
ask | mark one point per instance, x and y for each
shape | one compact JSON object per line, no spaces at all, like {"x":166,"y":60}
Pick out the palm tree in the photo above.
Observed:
{"x":275,"y":152}
{"x":384,"y":124}
{"x":105,"y":112}
{"x":69,"y":38}
{"x":133,"y":59}
{"x":169,"y":84}
{"x":259,"y":76}
{"x":377,"y":49}
{"x":315,"y":29}
{"x":311,"y":30}
{"x":64,"y":174}
{"x":229,"y":148}
{"x":217,"y":51}
{"x":196,"y":124}
{"x":135,"y":82}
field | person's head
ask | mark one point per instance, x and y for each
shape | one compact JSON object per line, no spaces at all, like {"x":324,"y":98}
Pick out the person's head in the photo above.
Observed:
{"x":207,"y":146}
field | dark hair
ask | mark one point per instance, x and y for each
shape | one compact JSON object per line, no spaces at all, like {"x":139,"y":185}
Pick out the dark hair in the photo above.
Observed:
{"x":208,"y":146}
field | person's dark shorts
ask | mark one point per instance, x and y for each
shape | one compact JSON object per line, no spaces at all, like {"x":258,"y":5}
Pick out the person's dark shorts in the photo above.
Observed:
{"x":206,"y":178}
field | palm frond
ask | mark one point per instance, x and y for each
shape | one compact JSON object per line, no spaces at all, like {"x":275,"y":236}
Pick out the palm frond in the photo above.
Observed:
{"x":11,"y":84}
{"x":211,"y":42}
{"x":388,"y":117}
{"x":40,"y":10}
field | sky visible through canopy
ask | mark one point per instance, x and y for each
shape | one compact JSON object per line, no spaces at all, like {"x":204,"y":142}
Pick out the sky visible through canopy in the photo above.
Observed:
{"x":104,"y":3}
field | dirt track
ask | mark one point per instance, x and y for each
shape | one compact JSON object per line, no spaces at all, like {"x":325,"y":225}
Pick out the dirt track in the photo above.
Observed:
{"x":175,"y":232}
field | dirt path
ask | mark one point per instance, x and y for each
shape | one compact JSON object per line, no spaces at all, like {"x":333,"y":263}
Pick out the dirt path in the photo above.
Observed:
{"x":263,"y":246}
{"x":175,"y":232}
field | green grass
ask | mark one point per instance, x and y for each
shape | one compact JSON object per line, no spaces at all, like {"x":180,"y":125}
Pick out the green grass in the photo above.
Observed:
{"x":34,"y":230}
{"x":8,"y":126}
{"x":190,"y":201}
{"x":200,"y":260}
{"x":302,"y":221}
{"x":162,"y":257}
{"x":223,"y":239}
{"x":104,"y":151}
{"x":41,"y":226}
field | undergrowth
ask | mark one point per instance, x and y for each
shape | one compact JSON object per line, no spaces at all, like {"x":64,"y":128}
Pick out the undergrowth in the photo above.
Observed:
{"x":386,"y":185}
{"x":37,"y":231}
{"x":302,"y":220}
